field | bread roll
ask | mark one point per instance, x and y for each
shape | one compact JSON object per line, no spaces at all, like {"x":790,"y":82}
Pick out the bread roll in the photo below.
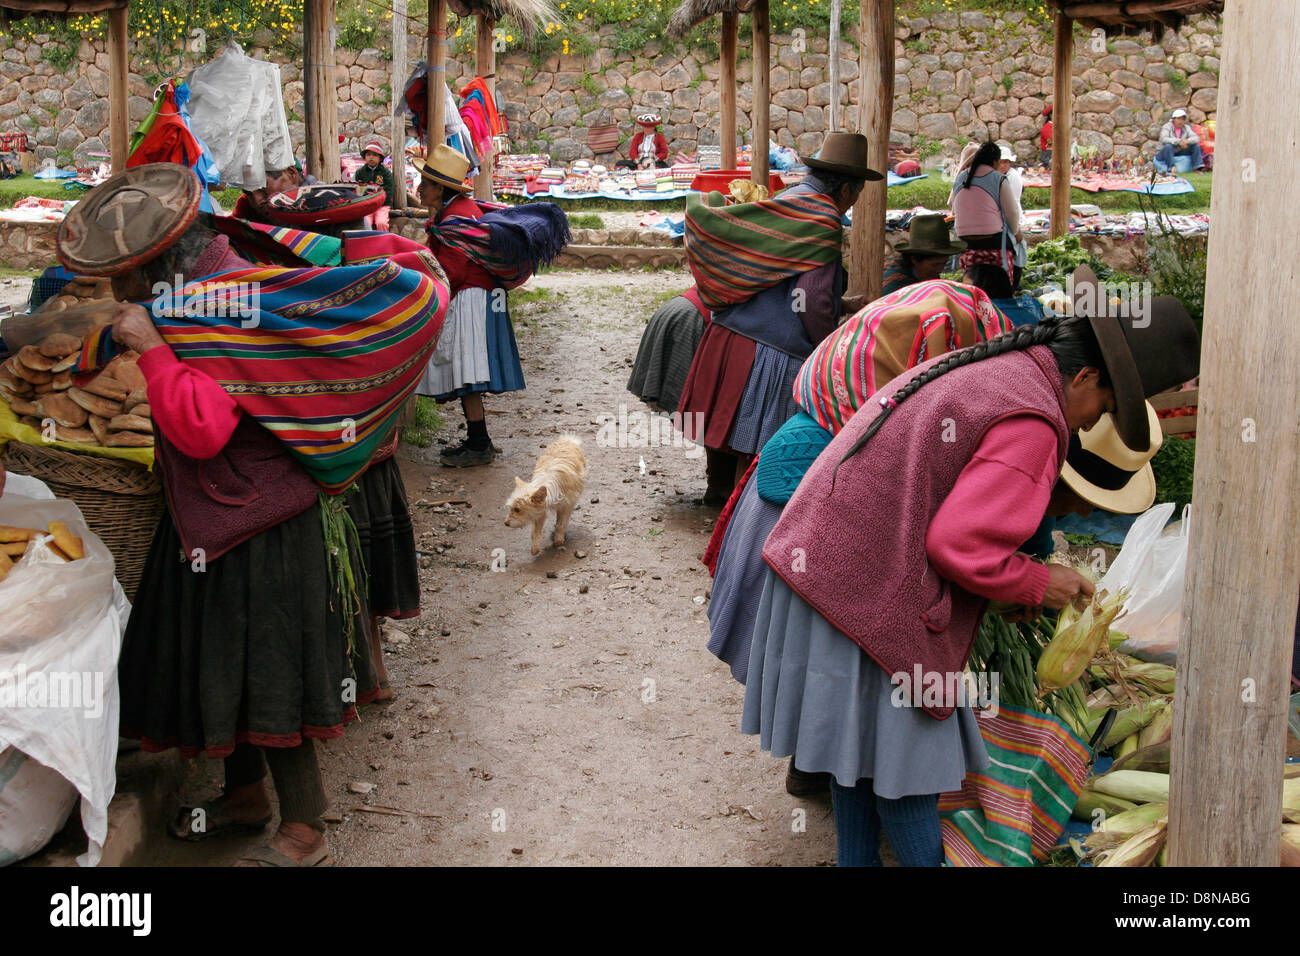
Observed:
{"x":34,"y":376}
{"x":12,"y":382}
{"x":95,"y":404}
{"x":129,"y":374}
{"x":107,"y":386}
{"x":64,"y":364}
{"x":138,"y":396}
{"x":62,"y":409}
{"x":31,"y":421}
{"x":143,"y":410}
{"x":76,"y":436}
{"x":130,"y":423}
{"x":61,"y":381}
{"x":21,"y":406}
{"x":99,"y":427}
{"x":129,"y":440}
{"x":30,"y":357}
{"x":11,"y":533}
{"x":46,"y":389}
{"x":59,"y":344}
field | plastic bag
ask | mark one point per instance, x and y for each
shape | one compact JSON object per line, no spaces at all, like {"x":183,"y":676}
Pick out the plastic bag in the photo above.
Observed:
{"x":60,"y":637}
{"x":35,"y":803}
{"x":1152,"y":565}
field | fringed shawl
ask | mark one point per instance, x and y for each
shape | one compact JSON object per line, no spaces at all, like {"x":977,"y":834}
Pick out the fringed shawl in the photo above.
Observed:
{"x":512,"y":242}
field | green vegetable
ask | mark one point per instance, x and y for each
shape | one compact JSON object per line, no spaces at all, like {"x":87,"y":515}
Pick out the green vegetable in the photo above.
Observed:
{"x":1173,"y":467}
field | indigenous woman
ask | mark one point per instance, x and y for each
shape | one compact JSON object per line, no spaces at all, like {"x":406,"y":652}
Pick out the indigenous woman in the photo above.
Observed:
{"x":941,"y":476}
{"x":251,"y":643}
{"x":986,"y":212}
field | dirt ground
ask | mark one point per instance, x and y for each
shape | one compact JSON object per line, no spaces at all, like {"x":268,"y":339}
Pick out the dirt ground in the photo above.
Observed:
{"x":563,"y":710}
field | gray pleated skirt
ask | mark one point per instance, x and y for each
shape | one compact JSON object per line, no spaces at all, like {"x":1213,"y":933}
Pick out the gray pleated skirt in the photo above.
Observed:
{"x":768,"y":399}
{"x":812,"y":692}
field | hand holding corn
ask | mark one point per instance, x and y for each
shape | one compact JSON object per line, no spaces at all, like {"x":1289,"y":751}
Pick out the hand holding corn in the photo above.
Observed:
{"x":1064,"y":586}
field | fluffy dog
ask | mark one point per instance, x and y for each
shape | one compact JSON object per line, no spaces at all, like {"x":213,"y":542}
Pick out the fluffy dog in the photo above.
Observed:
{"x":556,"y":486}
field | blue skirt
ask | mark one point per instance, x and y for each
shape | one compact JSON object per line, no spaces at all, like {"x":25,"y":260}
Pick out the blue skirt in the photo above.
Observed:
{"x":476,"y":349}
{"x":811,"y":691}
{"x":768,"y":399}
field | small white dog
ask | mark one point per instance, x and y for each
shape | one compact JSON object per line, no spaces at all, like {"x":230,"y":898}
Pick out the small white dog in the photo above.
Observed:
{"x":556,"y":486}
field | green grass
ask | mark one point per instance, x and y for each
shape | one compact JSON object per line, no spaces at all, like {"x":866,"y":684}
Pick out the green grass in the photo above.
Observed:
{"x":428,"y":422}
{"x":586,"y":220}
{"x":20,"y":187}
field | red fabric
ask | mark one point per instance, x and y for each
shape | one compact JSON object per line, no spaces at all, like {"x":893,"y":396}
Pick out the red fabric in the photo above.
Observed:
{"x":715,"y":385}
{"x":1045,"y":138}
{"x":196,"y":414}
{"x":462,"y":272}
{"x":168,"y":139}
{"x":661,"y":146}
{"x":692,"y":295}
{"x":710,"y":558}
{"x":964,"y":547}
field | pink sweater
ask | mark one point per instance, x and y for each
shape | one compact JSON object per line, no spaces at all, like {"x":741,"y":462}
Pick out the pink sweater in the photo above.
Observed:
{"x":1010,"y":476}
{"x":976,"y":214}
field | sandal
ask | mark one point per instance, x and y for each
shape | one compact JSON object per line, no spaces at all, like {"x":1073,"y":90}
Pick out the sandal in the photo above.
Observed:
{"x":216,"y":823}
{"x":264,"y":855}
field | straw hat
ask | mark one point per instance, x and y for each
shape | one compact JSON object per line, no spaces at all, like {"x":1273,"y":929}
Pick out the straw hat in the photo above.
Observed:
{"x":446,"y":167}
{"x":325,"y":204}
{"x":129,"y":219}
{"x":1106,"y":473}
{"x":844,"y":154}
{"x":930,"y":236}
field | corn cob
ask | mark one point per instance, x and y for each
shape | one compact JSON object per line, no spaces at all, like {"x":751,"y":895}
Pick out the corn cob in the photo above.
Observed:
{"x":1127,"y":746}
{"x":1154,"y":758}
{"x":1157,"y":677}
{"x":1090,"y":802}
{"x":1077,"y":640}
{"x":1129,"y":722}
{"x":1140,"y":849}
{"x":1161,"y":726}
{"x":1291,"y":799}
{"x":1140,"y":786}
{"x":1122,"y":826}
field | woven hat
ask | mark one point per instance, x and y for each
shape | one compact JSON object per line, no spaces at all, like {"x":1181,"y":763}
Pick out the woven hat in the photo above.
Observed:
{"x":374,"y":146}
{"x":1106,"y":473}
{"x":930,"y":236}
{"x":446,"y":167}
{"x":649,"y":120}
{"x":129,"y":219}
{"x":325,"y":204}
{"x":844,"y":154}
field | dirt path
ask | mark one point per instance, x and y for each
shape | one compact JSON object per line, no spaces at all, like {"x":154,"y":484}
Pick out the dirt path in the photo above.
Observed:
{"x":563,"y":710}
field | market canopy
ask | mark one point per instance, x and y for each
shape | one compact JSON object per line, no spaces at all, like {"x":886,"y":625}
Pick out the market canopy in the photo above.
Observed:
{"x":693,"y":12}
{"x":17,"y":9}
{"x":529,"y":15}
{"x":1135,"y":15}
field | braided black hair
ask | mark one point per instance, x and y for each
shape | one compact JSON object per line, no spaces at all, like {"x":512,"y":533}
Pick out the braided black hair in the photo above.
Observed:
{"x":1071,"y":341}
{"x":988,"y":155}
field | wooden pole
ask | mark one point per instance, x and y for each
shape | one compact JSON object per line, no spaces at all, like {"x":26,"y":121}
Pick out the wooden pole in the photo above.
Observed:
{"x":437,"y":107}
{"x":833,"y":49}
{"x":727,"y":88}
{"x":1239,"y":599}
{"x":118,"y":130}
{"x":761,"y":119}
{"x":398,"y":84}
{"x":1062,"y":120}
{"x":876,"y":112}
{"x":485,"y":65}
{"x":320,"y":90}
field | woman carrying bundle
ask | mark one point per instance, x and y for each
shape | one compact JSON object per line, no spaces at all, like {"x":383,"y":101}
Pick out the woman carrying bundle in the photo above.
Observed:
{"x":986,"y":212}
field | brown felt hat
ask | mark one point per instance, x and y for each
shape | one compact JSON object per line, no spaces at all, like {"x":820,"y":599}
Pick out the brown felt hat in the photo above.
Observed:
{"x":930,"y":236}
{"x":844,"y":154}
{"x":129,"y":219}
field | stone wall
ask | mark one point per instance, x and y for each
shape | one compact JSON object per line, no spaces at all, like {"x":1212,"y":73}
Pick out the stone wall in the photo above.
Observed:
{"x":958,"y":77}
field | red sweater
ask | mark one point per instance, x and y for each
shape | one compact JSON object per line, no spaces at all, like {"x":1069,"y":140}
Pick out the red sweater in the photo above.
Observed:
{"x":661,"y":146}
{"x":462,"y":272}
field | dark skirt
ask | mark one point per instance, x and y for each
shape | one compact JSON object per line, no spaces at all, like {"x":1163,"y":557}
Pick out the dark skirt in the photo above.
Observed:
{"x":767,"y":402}
{"x":664,"y":358}
{"x":383,"y":521}
{"x":250,"y":650}
{"x":716,"y":385}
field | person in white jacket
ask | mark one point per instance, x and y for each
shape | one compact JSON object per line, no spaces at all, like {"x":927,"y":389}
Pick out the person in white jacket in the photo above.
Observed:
{"x":1015,"y":182}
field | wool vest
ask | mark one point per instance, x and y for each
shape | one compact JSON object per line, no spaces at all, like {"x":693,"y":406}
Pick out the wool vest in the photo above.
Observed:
{"x":251,"y":485}
{"x":852,"y":544}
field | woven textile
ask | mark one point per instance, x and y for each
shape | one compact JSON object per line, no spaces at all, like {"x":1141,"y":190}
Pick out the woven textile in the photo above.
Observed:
{"x":322,"y":357}
{"x":1013,"y":813}
{"x":887,"y":337}
{"x":510,"y":243}
{"x":736,"y":251}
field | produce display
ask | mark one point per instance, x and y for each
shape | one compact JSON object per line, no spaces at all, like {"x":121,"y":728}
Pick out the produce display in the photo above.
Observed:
{"x":14,"y":542}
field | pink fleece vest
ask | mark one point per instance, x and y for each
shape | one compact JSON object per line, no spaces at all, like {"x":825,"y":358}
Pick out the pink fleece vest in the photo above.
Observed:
{"x":856,"y":553}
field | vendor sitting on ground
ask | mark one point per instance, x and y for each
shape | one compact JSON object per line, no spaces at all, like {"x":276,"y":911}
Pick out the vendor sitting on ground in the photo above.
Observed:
{"x":923,"y":255}
{"x":1178,"y":139}
{"x":649,"y":147}
{"x":252,"y":204}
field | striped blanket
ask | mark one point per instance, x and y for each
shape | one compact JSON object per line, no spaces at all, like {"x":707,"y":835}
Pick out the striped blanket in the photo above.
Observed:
{"x":1013,"y":813}
{"x":737,"y":251}
{"x":323,"y":357}
{"x":510,"y":242}
{"x":886,"y":338}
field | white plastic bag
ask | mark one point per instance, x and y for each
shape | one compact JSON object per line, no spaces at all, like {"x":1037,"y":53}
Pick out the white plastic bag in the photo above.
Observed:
{"x":1152,"y":565}
{"x":60,"y":637}
{"x":35,"y":803}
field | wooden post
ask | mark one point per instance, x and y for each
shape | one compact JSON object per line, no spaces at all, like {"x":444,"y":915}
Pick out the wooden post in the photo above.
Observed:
{"x":1239,"y":600}
{"x":727,"y":88}
{"x":876,"y":115}
{"x":398,"y":83}
{"x":833,"y":51}
{"x":320,"y":90}
{"x":437,"y":107}
{"x":1062,"y":120}
{"x":761,"y":119}
{"x":118,"y":120}
{"x":485,"y":65}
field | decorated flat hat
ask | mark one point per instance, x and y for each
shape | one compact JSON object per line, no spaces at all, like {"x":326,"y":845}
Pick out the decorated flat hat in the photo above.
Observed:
{"x":325,"y":204}
{"x":649,"y":119}
{"x":1106,"y":473}
{"x":129,"y":219}
{"x":930,"y":236}
{"x":844,"y":154}
{"x":446,"y":167}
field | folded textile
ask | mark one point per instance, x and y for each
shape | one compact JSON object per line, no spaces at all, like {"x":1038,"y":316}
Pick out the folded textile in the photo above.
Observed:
{"x":510,"y":243}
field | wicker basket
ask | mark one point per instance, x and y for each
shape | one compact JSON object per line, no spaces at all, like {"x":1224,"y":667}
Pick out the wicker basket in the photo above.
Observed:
{"x":120,"y":500}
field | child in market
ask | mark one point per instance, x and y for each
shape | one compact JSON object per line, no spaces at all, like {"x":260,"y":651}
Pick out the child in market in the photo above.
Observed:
{"x":374,"y":171}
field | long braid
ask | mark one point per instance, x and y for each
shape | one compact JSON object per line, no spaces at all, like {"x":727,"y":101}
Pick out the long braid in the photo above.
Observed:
{"x":1017,"y":340}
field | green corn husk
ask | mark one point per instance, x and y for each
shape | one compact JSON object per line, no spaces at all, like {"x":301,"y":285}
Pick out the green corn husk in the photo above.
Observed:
{"x":1127,"y":746}
{"x":1090,"y":801}
{"x":1115,"y":830}
{"x":1140,"y":849}
{"x":1161,"y":726}
{"x":1129,"y":722}
{"x":1116,"y":638}
{"x":1140,"y":786}
{"x":1157,"y":677}
{"x":1291,"y":800}
{"x":1077,"y":640}
{"x":1154,"y":758}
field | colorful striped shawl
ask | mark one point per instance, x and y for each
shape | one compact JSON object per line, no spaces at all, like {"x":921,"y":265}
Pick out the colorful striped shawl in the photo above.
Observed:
{"x":736,"y":251}
{"x":888,"y":337}
{"x":510,"y":242}
{"x":1013,"y":813}
{"x":323,"y":357}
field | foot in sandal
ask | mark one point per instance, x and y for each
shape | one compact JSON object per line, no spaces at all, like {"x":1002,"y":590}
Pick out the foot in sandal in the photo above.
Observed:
{"x":294,"y":844}
{"x":240,"y":810}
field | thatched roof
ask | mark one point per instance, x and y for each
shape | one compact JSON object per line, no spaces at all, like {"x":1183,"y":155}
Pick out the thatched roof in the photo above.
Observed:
{"x":60,"y":9}
{"x":691,"y":12}
{"x":531,"y":16}
{"x":1122,"y":16}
